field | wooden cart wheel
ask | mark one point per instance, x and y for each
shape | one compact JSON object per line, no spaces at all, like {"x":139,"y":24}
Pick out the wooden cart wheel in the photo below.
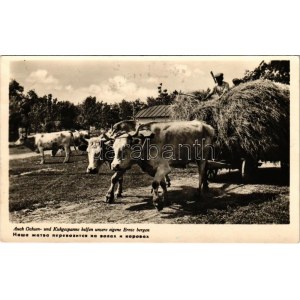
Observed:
{"x":212,"y":174}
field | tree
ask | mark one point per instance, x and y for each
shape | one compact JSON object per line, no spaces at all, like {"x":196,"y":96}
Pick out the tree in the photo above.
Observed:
{"x":89,"y":111}
{"x":66,"y":115}
{"x":113,"y":115}
{"x":137,"y":106}
{"x":15,"y":90}
{"x":164,"y":98}
{"x":125,"y":110}
{"x":105,"y":116}
{"x":275,"y":70}
{"x":16,"y":118}
{"x":38,"y":111}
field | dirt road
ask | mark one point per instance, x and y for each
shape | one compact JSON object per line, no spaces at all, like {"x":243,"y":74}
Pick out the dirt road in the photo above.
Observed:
{"x":64,"y":193}
{"x":135,"y":205}
{"x":34,"y":154}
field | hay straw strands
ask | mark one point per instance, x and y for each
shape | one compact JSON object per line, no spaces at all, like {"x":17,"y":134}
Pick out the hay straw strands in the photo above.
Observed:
{"x":251,"y":119}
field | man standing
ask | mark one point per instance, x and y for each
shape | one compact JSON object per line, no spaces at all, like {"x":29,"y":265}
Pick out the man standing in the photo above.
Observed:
{"x":220,"y":88}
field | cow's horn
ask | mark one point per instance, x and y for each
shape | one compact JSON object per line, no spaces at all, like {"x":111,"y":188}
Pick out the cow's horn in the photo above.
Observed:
{"x":106,"y":137}
{"x":137,"y":131}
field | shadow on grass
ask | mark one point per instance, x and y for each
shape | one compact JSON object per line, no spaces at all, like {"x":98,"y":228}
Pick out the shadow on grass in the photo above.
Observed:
{"x":145,"y":205}
{"x":228,"y":201}
{"x":271,"y":176}
{"x":187,"y":202}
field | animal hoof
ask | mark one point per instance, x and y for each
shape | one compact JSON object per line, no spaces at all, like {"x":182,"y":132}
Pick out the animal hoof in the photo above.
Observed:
{"x":159,"y":205}
{"x":109,"y":199}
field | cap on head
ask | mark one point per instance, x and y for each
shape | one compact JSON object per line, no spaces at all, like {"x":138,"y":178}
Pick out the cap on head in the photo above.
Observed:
{"x":218,"y":75}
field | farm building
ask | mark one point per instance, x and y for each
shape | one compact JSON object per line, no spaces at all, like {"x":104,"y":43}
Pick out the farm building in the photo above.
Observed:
{"x":158,"y":113}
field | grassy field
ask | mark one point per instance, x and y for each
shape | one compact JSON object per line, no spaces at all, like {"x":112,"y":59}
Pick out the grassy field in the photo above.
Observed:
{"x":57,"y":192}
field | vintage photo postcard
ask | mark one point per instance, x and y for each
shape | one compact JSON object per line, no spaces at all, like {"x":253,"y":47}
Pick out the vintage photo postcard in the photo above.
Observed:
{"x":149,"y":149}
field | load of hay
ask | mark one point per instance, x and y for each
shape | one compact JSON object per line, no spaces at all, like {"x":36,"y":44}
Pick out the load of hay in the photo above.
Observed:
{"x":251,"y":120}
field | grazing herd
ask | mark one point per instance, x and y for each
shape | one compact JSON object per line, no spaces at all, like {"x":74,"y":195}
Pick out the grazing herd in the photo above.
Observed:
{"x":155,"y":147}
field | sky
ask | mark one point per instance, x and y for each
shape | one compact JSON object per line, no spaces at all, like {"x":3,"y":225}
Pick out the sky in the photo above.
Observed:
{"x":112,"y":79}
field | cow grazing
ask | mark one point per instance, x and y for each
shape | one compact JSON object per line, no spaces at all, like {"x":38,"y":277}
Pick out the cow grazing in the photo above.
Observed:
{"x":53,"y":141}
{"x":100,"y":151}
{"x":155,"y":147}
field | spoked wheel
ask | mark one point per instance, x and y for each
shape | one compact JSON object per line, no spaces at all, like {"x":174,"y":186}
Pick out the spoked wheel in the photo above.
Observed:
{"x":212,"y":174}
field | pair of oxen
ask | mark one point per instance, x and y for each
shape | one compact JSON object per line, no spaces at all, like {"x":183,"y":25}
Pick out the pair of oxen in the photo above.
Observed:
{"x":155,"y":147}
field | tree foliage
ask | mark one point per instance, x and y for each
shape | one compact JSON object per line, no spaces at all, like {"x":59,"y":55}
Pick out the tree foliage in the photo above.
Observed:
{"x":275,"y":70}
{"x":16,"y":118}
{"x":163,"y":98}
{"x":47,"y":114}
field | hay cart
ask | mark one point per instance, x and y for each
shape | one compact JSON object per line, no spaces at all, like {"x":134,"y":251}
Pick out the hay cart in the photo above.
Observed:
{"x":251,"y":123}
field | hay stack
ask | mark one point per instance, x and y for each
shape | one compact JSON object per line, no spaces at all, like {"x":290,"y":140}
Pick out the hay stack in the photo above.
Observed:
{"x":252,"y":119}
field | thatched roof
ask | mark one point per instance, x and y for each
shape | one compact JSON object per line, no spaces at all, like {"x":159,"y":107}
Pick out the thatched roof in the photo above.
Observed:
{"x":251,"y":119}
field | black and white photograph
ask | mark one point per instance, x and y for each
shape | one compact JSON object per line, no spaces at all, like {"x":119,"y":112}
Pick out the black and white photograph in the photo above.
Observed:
{"x":128,"y":143}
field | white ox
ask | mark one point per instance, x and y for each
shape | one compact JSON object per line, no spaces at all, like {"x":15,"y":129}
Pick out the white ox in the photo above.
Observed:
{"x":155,"y":147}
{"x":99,"y":151}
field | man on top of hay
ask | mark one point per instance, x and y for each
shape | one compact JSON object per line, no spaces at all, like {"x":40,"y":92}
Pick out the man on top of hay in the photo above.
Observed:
{"x":220,"y":88}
